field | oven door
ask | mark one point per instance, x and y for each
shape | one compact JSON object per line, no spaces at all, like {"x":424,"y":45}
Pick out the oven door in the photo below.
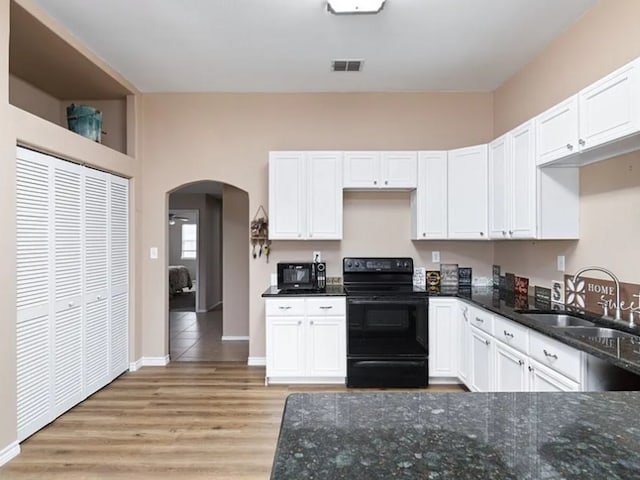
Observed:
{"x":381,"y":327}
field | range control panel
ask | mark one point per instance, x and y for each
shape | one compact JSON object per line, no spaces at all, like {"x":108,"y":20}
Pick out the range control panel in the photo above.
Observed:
{"x":368,"y":264}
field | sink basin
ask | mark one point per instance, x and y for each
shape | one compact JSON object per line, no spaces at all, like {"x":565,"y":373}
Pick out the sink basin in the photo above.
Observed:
{"x":598,"y":332}
{"x":559,"y":320}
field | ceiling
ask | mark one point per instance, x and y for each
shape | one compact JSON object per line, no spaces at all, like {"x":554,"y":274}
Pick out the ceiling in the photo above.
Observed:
{"x":288,"y":45}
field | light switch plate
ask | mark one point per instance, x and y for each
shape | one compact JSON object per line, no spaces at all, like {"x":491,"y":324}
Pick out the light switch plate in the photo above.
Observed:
{"x":561,"y":263}
{"x":153,"y":253}
{"x":435,"y":257}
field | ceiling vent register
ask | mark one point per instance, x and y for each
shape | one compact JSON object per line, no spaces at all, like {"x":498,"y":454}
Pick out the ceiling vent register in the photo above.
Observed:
{"x":346,"y":65}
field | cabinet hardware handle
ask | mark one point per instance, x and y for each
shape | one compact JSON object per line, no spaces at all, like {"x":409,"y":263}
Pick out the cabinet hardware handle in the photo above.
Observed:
{"x":310,"y":322}
{"x":530,"y":368}
{"x":569,"y":146}
{"x":478,"y":319}
{"x":551,"y":355}
{"x":99,"y":297}
{"x":323,"y":307}
{"x":487,"y":342}
{"x":521,"y":362}
{"x":284,"y":307}
{"x":482,"y":234}
{"x":504,"y":234}
{"x":424,"y":234}
{"x":71,"y":304}
{"x":375,"y":182}
{"x":386,"y":182}
{"x":510,"y":232}
{"x":507,"y":334}
{"x":582,"y":142}
{"x":299,"y":322}
{"x":299,"y":235}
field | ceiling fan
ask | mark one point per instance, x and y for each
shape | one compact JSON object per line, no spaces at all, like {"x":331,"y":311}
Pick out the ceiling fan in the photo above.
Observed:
{"x":173,"y":217}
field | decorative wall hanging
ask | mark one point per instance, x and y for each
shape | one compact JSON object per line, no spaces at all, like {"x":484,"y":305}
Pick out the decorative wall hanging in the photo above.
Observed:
{"x":260,"y":234}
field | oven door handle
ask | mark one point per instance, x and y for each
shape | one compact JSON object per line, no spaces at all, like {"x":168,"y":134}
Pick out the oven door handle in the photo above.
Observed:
{"x":387,"y":363}
{"x":388,"y":301}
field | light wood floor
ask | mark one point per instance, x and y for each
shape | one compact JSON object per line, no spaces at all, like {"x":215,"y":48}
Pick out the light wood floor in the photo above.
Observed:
{"x":184,"y":421}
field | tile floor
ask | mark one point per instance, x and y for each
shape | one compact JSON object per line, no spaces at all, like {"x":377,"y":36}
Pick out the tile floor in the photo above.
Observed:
{"x":198,"y":337}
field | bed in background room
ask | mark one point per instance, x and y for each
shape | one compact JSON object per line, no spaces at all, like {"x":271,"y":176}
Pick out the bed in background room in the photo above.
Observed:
{"x":179,"y":278}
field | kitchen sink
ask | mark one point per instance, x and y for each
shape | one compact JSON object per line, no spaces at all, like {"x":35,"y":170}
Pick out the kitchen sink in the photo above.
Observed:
{"x":598,"y":332}
{"x":558,"y":319}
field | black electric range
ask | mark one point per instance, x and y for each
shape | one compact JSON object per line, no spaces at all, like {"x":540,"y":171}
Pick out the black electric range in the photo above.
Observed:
{"x":387,"y":323}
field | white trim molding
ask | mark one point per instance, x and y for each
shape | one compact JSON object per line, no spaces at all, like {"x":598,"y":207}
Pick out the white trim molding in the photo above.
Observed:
{"x":257,"y":361}
{"x":155,"y":361}
{"x":9,"y":452}
{"x":231,"y":338}
{"x":137,"y":365}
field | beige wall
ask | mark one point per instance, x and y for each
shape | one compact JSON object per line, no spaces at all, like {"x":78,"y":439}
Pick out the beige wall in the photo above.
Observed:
{"x":605,"y":38}
{"x":27,"y":97}
{"x":227,"y":137}
{"x":235,"y":262}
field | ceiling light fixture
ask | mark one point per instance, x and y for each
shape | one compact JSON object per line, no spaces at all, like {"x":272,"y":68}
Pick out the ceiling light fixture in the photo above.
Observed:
{"x":354,"y":6}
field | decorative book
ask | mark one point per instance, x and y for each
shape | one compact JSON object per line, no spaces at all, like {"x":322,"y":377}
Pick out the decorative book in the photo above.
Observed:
{"x":449,"y":275}
{"x":464,"y":277}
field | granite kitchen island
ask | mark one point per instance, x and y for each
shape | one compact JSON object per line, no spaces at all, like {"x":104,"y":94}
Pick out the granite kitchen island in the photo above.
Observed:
{"x":485,"y":436}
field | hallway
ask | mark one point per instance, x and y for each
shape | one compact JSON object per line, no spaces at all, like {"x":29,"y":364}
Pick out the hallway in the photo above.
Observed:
{"x":198,"y":337}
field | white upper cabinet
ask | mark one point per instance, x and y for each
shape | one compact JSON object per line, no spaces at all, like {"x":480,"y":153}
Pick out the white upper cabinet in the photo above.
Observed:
{"x":610,"y":108}
{"x":558,"y":131}
{"x":429,"y":200}
{"x":512,"y":184}
{"x":599,"y":122}
{"x":305,"y":195}
{"x":380,"y":170}
{"x":467,"y":193}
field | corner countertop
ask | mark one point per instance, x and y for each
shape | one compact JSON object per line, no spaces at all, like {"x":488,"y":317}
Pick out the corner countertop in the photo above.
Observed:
{"x":459,"y":436}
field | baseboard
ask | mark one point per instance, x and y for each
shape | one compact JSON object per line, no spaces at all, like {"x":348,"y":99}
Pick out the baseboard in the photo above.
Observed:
{"x":137,"y":365}
{"x":257,"y":361}
{"x":306,"y":380}
{"x":444,"y":381}
{"x":214,"y":306}
{"x":231,"y":338}
{"x":9,"y":452}
{"x":155,"y":361}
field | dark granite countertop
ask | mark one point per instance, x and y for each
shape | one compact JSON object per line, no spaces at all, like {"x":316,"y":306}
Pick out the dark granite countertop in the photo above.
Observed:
{"x":330,"y":291}
{"x":368,"y":436}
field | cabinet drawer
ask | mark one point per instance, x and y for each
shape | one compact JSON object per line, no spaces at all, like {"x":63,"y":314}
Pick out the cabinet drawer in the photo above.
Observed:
{"x":481,"y":319}
{"x":511,"y":333}
{"x":326,"y":306}
{"x":556,"y":355}
{"x":285,"y":306}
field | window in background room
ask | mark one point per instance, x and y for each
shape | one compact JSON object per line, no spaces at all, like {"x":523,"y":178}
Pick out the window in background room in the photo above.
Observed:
{"x":189,"y":241}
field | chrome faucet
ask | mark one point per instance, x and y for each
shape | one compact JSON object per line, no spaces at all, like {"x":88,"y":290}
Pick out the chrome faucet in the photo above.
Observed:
{"x":617,"y":282}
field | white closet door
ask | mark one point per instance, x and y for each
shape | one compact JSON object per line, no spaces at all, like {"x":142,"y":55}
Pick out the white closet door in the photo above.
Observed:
{"x":96,"y":287}
{"x":33,"y":272}
{"x":67,"y":274}
{"x":119,"y":270}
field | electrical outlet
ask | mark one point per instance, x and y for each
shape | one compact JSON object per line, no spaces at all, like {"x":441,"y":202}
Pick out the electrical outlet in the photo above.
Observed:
{"x":435,"y":257}
{"x":317,"y":256}
{"x":561,"y":263}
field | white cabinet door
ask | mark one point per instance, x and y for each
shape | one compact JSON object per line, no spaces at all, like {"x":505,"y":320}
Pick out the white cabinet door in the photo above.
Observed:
{"x":443,"y":338}
{"x":119,"y":274}
{"x":481,"y":361}
{"x":523,"y":196}
{"x":429,"y":200}
{"x":287,"y":196}
{"x":467,"y":193}
{"x":68,"y":285}
{"x":362,"y":170}
{"x":464,"y":345}
{"x":511,"y":373}
{"x":324,"y":180}
{"x":544,"y":379}
{"x":500,"y":188}
{"x":399,"y":170}
{"x":326,"y":347}
{"x":285,"y":346}
{"x":557,"y":131}
{"x":610,"y":108}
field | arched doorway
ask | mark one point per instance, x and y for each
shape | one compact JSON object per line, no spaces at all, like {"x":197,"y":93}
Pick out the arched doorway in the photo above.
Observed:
{"x":208,"y":268}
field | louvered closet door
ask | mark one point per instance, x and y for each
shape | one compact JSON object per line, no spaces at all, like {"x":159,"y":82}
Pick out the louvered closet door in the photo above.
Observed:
{"x":119,"y":272}
{"x":33,"y":223}
{"x":96,"y":283}
{"x":67,"y":274}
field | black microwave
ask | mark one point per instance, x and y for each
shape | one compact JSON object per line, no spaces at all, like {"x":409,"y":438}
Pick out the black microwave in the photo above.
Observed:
{"x":302,"y":275}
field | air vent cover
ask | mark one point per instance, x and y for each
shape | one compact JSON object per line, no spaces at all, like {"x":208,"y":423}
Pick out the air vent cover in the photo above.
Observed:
{"x":346,"y":65}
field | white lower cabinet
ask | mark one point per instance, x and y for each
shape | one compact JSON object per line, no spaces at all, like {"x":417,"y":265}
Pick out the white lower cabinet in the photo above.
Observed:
{"x":306,"y":340}
{"x":545,"y":379}
{"x":511,"y":374}
{"x":443,"y":338}
{"x":464,"y":345}
{"x":481,"y":361}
